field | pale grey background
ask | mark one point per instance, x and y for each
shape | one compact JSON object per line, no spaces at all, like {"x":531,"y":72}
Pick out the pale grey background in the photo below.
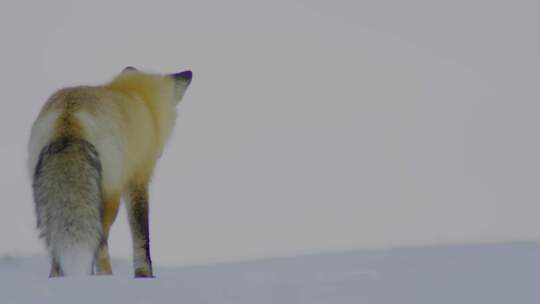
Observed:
{"x":310,"y":125}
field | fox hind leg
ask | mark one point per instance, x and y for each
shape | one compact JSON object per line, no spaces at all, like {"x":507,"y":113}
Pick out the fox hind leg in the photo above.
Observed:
{"x":110,"y":211}
{"x":56,"y":270}
{"x":137,"y":207}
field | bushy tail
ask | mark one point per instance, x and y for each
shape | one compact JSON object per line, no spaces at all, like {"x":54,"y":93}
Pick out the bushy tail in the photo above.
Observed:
{"x":68,"y":198}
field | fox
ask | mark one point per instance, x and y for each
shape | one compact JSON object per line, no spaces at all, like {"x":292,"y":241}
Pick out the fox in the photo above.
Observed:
{"x":90,"y":147}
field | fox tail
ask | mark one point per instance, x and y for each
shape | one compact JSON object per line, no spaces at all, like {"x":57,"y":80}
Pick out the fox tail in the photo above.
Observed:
{"x":69,"y":203}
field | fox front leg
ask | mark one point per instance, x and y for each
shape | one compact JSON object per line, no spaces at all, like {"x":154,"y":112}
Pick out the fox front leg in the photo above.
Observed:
{"x":137,"y":206}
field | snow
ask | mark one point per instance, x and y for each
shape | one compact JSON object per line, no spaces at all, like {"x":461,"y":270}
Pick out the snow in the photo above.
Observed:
{"x":486,"y":273}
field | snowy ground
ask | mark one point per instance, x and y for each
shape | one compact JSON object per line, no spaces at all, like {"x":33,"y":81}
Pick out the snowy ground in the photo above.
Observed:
{"x":496,"y":273}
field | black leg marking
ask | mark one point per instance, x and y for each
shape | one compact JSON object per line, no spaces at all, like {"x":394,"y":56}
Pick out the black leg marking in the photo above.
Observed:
{"x":56,"y":271}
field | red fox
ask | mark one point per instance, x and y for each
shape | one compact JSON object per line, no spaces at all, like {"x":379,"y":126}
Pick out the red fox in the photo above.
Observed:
{"x":90,"y":146}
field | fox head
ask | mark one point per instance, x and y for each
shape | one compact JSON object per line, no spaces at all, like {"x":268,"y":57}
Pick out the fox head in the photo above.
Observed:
{"x":176,"y":82}
{"x":161,"y":93}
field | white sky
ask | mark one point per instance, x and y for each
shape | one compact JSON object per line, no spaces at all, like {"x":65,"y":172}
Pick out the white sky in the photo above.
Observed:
{"x":309,"y":126}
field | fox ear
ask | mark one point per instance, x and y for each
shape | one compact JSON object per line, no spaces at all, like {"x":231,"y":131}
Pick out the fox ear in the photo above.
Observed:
{"x":129,"y":69}
{"x":182,"y":81}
